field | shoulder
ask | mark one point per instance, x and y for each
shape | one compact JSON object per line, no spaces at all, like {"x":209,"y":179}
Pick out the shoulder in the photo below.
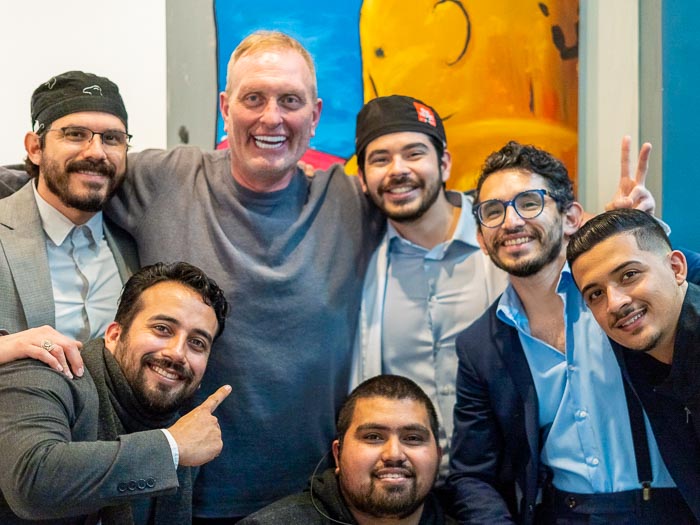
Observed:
{"x":12,"y":178}
{"x":296,"y":508}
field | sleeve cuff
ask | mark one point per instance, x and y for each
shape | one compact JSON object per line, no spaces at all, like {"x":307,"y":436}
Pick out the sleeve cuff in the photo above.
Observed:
{"x":173,"y":446}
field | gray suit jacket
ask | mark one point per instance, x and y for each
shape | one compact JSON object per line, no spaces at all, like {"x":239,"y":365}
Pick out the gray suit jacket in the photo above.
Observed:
{"x":52,"y":465}
{"x":25,"y":280}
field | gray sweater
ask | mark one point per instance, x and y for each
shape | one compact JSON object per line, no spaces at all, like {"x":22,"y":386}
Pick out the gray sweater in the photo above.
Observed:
{"x":291,"y":263}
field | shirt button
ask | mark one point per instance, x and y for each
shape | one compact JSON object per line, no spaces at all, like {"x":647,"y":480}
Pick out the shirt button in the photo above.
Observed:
{"x":571,"y":368}
{"x":582,"y":414}
{"x":595,"y":462}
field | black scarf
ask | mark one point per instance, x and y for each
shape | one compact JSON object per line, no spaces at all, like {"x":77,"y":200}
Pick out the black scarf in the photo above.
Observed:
{"x":120,"y":413}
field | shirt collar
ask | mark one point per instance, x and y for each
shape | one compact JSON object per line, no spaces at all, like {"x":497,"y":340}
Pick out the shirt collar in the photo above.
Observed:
{"x":57,"y":226}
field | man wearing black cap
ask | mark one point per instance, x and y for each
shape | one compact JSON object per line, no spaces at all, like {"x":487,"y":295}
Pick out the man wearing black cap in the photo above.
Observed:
{"x":61,"y":264}
{"x":428,"y":273}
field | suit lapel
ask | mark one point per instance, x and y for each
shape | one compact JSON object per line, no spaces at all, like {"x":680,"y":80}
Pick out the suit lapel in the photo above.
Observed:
{"x":23,"y":242}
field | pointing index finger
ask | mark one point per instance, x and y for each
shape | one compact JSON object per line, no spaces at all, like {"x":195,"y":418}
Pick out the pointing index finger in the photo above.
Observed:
{"x":214,"y":400}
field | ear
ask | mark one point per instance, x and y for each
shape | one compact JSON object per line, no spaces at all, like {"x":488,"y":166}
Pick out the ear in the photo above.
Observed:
{"x":336,"y":454}
{"x":480,"y":238}
{"x":112,"y":335}
{"x":316,"y":115}
{"x":363,"y":181}
{"x":32,"y":143}
{"x":679,"y":265}
{"x":446,"y":165}
{"x":572,"y":220}
{"x":224,"y":108}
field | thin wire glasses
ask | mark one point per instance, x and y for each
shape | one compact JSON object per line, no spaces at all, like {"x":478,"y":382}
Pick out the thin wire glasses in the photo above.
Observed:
{"x":79,"y":135}
{"x":527,"y":204}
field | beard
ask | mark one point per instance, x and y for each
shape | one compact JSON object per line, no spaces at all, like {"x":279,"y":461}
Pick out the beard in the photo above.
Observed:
{"x":58,"y":181}
{"x":388,"y":502}
{"x":159,"y":398}
{"x":431,"y":191}
{"x":551,"y":245}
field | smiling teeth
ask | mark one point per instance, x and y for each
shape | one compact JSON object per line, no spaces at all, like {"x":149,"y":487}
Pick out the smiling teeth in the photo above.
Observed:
{"x":402,"y":189}
{"x":629,"y":322}
{"x":163,"y":372}
{"x":513,"y":242}
{"x":269,"y":142}
{"x":391,"y":476}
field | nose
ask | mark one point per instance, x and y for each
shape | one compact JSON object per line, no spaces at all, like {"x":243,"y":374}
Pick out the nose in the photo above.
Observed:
{"x":512,"y":219}
{"x":398,"y":165}
{"x":175,"y":349}
{"x":94,"y":149}
{"x":393,"y":450}
{"x":272,"y":114}
{"x":617,"y":299}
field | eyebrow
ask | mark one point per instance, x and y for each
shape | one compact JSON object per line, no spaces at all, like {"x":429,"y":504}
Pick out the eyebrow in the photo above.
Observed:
{"x":172,"y":320}
{"x":378,"y":426}
{"x":407,"y":147}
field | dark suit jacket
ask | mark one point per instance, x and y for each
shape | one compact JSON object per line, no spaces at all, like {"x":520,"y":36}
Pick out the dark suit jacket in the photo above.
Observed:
{"x":496,"y":439}
{"x":682,"y":385}
{"x":25,"y":280}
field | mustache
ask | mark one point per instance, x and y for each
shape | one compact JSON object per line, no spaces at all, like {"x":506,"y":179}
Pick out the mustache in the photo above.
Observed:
{"x":624,"y":312}
{"x":170,"y":365}
{"x":103,"y":168}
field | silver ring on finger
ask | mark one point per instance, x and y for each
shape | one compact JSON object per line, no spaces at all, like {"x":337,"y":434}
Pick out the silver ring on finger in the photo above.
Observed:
{"x":47,"y":345}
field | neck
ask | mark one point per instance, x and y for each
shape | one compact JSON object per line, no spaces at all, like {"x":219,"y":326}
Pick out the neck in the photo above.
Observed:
{"x":74,"y":215}
{"x":262,"y":182}
{"x":366,"y":519}
{"x":542,"y":286}
{"x":435,"y":226}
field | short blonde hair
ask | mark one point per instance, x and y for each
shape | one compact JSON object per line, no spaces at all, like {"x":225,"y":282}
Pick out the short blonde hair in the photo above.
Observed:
{"x":270,"y":40}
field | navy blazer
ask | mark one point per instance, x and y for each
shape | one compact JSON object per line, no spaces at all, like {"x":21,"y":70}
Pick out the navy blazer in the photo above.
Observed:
{"x":496,"y":439}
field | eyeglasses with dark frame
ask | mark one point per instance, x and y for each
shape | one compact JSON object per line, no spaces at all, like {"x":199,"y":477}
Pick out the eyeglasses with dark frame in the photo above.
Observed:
{"x":527,"y":204}
{"x":80,"y":135}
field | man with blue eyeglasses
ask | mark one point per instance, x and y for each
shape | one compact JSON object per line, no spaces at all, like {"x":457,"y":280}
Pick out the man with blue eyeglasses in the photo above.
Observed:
{"x":541,"y":413}
{"x":62,"y":266}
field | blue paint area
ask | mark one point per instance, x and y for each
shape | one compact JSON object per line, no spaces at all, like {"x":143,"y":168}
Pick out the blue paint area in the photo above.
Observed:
{"x":681,"y":114}
{"x":330,"y":32}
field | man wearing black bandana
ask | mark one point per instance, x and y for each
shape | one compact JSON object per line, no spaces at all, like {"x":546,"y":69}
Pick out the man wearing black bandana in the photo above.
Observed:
{"x":108,"y":447}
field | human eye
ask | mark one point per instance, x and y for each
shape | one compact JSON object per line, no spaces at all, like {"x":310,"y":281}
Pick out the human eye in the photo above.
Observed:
{"x":372,"y":437}
{"x":378,"y":160}
{"x":529,"y":201}
{"x":491,"y":209}
{"x":200,"y":345}
{"x":414,"y":439}
{"x":76,"y":134}
{"x":291,"y":101}
{"x":593,"y":296}
{"x":113,"y":138}
{"x":252,"y":100}
{"x":161,"y":329}
{"x":629,"y":275}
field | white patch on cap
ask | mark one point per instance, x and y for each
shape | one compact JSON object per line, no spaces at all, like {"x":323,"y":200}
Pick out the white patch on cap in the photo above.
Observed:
{"x":51,"y":83}
{"x":93,"y":90}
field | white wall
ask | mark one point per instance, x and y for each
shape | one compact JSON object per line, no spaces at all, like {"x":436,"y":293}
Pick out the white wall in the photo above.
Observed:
{"x":122,"y":40}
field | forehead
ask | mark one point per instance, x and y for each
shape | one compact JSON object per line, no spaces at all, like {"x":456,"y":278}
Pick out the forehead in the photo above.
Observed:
{"x":608,"y":256}
{"x":95,"y":120}
{"x":399,"y":140}
{"x":173,"y":298}
{"x":392,"y":413}
{"x":271,"y":69}
{"x":505,"y":184}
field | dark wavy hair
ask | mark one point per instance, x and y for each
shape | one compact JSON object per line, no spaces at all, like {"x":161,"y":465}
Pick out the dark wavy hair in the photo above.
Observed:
{"x":516,"y":156}
{"x":130,"y":303}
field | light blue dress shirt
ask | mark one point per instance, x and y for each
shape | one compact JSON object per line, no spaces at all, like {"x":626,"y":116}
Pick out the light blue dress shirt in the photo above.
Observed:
{"x":430,"y":297}
{"x":84,"y":275}
{"x":582,"y":408}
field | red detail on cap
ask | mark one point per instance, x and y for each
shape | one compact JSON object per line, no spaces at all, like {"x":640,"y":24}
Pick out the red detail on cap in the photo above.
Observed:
{"x":425,"y":114}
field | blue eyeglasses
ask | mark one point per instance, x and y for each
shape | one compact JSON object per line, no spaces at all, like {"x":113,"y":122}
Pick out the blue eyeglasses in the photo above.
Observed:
{"x":527,"y":204}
